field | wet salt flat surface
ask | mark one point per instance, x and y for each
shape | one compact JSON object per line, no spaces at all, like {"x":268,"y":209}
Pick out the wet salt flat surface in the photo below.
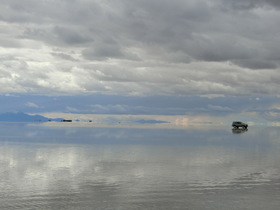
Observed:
{"x":121,"y":168}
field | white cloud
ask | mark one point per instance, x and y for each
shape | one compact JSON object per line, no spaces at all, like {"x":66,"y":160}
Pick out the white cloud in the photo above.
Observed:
{"x":218,"y":108}
{"x":31,"y":104}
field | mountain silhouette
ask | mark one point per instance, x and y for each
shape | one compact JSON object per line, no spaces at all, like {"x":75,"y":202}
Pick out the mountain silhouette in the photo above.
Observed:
{"x":22,"y":117}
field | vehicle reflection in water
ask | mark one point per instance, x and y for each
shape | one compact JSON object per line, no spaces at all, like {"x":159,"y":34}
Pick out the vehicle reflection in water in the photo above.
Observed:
{"x":239,"y":130}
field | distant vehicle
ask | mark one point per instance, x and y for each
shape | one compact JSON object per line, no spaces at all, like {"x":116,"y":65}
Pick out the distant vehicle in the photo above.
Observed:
{"x":237,"y":124}
{"x":66,"y":120}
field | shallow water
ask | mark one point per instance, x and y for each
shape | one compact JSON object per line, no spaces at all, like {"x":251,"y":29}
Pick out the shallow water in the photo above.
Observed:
{"x":121,"y":168}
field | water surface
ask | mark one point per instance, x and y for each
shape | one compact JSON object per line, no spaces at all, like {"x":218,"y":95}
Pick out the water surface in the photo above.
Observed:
{"x":122,"y":168}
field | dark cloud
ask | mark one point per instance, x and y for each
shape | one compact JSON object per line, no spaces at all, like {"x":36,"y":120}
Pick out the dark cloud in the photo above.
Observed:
{"x":275,"y":3}
{"x":256,"y":64}
{"x":104,"y":50}
{"x":71,"y":36}
{"x":251,"y":4}
{"x":37,"y":33}
{"x":242,"y":4}
{"x":194,"y":47}
{"x":198,"y":29}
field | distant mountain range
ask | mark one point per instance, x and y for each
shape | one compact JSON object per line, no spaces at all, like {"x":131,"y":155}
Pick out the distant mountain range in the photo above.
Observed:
{"x":22,"y":117}
{"x":150,"y":121}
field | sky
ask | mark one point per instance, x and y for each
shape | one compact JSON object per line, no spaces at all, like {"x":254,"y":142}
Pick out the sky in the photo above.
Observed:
{"x":195,"y":57}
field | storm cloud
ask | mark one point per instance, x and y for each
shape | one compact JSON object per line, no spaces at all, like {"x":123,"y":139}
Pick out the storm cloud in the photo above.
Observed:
{"x":141,"y":47}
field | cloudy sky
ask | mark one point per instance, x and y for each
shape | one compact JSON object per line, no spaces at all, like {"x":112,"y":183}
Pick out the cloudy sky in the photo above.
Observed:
{"x":141,"y":57}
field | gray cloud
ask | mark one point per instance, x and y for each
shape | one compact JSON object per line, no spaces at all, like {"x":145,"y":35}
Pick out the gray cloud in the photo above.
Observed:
{"x":194,"y":47}
{"x":255,"y":64}
{"x":103,"y":51}
{"x":64,"y":56}
{"x":71,"y":36}
{"x":251,"y":4}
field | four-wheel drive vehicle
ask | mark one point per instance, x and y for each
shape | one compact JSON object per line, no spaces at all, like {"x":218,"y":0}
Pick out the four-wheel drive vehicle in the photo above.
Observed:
{"x":237,"y":124}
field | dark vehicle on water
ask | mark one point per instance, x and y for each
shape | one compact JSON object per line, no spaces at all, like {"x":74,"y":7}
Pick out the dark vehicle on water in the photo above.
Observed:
{"x":238,"y":124}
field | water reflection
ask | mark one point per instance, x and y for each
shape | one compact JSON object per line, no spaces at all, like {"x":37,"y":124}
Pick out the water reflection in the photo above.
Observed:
{"x":139,"y":169}
{"x":239,"y":130}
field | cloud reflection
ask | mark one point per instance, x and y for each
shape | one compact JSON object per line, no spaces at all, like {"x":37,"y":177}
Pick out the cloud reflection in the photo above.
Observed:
{"x":46,"y":165}
{"x":123,"y":171}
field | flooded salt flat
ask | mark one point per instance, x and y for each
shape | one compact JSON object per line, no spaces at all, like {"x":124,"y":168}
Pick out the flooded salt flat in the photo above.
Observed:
{"x":129,"y":168}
